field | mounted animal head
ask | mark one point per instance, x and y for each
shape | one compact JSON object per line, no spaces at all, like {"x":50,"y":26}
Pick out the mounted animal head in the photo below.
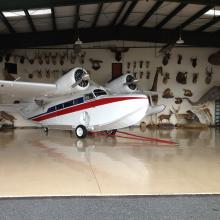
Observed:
{"x":194,"y":61}
{"x":175,"y":110}
{"x":96,"y":64}
{"x":148,"y":75}
{"x":180,"y":57}
{"x":118,"y":52}
{"x":62,"y":58}
{"x":209,"y":74}
{"x":214,"y":58}
{"x":147,"y":64}
{"x":32,"y":60}
{"x":167,"y":94}
{"x":54,"y":58}
{"x":165,"y":78}
{"x":181,"y":77}
{"x":141,"y":63}
{"x":195,"y":77}
{"x":82,"y":56}
{"x":188,"y":92}
{"x":178,"y":100}
{"x":166,"y":58}
{"x":47,"y":58}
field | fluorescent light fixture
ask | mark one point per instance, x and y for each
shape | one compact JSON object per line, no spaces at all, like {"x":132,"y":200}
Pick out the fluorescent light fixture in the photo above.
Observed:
{"x":213,"y":12}
{"x":13,"y":13}
{"x":39,"y":11}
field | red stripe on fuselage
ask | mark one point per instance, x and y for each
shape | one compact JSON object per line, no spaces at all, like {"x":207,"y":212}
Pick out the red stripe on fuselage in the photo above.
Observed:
{"x":83,"y":106}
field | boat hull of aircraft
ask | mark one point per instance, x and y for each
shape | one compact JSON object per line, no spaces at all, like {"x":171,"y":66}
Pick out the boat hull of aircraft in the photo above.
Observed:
{"x":103,"y":113}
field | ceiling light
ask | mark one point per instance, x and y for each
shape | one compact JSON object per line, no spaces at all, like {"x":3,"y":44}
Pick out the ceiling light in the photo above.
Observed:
{"x":78,"y":42}
{"x":39,"y":11}
{"x":213,"y":12}
{"x":13,"y":13}
{"x":180,"y":41}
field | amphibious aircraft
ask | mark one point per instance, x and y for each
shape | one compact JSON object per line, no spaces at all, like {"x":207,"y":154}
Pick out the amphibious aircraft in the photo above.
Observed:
{"x":77,"y":102}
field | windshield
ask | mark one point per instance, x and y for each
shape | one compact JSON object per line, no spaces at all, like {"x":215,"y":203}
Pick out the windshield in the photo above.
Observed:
{"x":99,"y":92}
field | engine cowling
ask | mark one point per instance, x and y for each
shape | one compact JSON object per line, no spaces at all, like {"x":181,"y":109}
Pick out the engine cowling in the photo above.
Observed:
{"x":124,"y":84}
{"x":74,"y":80}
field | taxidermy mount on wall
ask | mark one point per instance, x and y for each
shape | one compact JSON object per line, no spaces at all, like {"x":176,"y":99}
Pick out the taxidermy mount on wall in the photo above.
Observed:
{"x":128,"y":65}
{"x":166,"y":59}
{"x":181,"y":77}
{"x":147,"y":63}
{"x":180,"y":57}
{"x":118,"y":52}
{"x":148,"y":75}
{"x":188,"y":92}
{"x":194,"y":61}
{"x":214,"y":58}
{"x":195,"y":77}
{"x":96,"y":64}
{"x":178,"y":100}
{"x":165,"y":117}
{"x":165,"y":78}
{"x":47,"y":58}
{"x":141,"y":64}
{"x":211,"y":95}
{"x":54,"y":58}
{"x":40,"y":59}
{"x":167,"y":94}
{"x":209,"y":74}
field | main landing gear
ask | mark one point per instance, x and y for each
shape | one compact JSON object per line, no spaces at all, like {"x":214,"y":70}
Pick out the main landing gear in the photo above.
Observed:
{"x":45,"y":129}
{"x":81,"y":131}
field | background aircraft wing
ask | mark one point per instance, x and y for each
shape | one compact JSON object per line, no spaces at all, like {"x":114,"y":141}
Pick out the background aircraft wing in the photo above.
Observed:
{"x":25,"y":89}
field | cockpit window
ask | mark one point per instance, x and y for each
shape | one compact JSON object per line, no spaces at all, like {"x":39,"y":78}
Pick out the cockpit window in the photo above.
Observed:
{"x":89,"y":96}
{"x":99,"y":92}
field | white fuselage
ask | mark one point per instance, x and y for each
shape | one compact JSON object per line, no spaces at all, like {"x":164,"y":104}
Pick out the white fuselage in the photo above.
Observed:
{"x":105,"y":112}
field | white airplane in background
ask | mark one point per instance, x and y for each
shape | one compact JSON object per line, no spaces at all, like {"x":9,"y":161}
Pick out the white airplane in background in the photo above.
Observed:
{"x":77,"y":102}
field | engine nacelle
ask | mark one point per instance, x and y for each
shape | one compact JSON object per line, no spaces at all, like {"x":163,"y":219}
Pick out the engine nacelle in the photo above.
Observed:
{"x":123,"y":84}
{"x":74,"y":80}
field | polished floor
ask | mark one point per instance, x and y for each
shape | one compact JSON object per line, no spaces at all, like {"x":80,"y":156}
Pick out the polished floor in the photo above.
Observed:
{"x":33,"y":164}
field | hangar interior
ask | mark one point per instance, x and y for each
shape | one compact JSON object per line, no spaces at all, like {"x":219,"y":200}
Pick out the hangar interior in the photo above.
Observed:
{"x":170,"y":46}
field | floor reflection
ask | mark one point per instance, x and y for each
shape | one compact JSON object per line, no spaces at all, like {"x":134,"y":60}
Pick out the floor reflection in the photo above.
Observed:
{"x":60,"y":164}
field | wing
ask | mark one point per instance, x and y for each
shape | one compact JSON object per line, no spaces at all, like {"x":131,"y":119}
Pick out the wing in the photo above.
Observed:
{"x":25,"y":89}
{"x":11,"y":107}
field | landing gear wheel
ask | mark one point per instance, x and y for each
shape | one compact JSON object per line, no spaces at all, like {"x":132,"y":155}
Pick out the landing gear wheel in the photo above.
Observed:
{"x":111,"y":132}
{"x":81,"y":131}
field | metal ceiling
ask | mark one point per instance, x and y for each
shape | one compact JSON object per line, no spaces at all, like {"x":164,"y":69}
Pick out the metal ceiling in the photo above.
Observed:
{"x":159,"y":21}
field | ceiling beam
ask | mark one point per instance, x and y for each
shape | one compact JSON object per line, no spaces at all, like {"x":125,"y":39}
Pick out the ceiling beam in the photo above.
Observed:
{"x":99,"y":9}
{"x":194,"y":17}
{"x":143,"y":34}
{"x":118,"y":13}
{"x":150,"y":13}
{"x":6,"y":22}
{"x":208,"y":24}
{"x":197,"y":2}
{"x":31,"y":24}
{"x":171,"y":15}
{"x":6,"y":5}
{"x":53,"y":17}
{"x":128,"y":12}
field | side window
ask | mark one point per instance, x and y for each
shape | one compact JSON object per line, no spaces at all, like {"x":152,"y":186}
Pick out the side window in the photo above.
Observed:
{"x":89,"y":96}
{"x":51,"y":109}
{"x":78,"y":101}
{"x":60,"y":106}
{"x":68,"y":104}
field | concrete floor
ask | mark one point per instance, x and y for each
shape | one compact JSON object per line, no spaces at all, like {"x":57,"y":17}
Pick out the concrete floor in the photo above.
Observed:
{"x":32,"y":164}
